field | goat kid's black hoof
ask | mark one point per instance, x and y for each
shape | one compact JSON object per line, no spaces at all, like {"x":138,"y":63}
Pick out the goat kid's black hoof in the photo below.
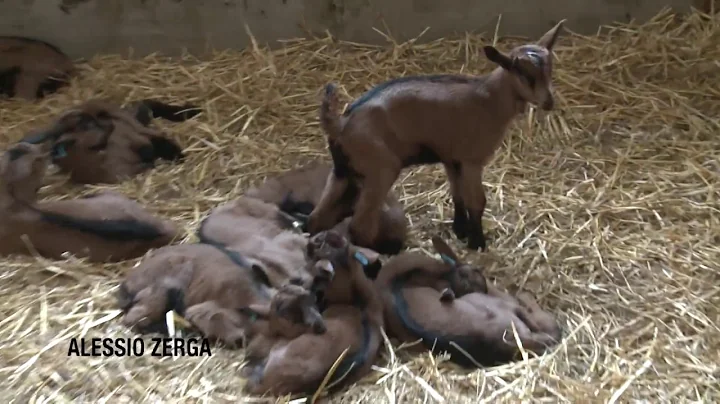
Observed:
{"x":460,"y":230}
{"x":477,"y":242}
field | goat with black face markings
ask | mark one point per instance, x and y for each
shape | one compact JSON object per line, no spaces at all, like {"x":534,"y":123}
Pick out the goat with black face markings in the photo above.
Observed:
{"x":103,"y":227}
{"x":279,"y":365}
{"x":207,"y":286}
{"x":458,"y":121}
{"x":31,"y":68}
{"x":450,"y":307}
{"x":99,"y":142}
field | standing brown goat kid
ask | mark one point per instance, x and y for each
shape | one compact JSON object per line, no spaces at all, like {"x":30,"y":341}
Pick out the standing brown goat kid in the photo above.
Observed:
{"x":460,"y":314}
{"x":204,"y":284}
{"x":99,"y":142}
{"x":458,"y":121}
{"x":31,"y":68}
{"x":298,"y":191}
{"x":280,"y":365}
{"x":103,"y":227}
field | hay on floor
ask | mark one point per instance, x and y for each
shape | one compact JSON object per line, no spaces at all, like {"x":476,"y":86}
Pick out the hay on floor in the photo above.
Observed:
{"x":607,"y":209}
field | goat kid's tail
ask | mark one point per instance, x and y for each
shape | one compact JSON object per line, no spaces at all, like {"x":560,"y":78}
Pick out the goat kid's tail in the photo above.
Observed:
{"x":330,"y":112}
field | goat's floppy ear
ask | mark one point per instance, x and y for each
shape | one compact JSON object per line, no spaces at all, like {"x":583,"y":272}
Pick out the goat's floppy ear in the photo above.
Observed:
{"x":446,"y":253}
{"x":498,"y":57}
{"x":258,"y":271}
{"x":548,"y":40}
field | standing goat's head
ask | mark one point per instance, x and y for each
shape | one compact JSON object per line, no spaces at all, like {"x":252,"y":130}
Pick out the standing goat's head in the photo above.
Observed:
{"x":531,"y":68}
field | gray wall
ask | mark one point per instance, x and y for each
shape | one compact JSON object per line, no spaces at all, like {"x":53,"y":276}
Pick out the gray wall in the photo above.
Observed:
{"x":85,"y":27}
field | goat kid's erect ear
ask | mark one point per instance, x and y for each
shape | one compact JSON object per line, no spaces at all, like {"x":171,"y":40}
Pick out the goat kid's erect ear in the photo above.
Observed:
{"x":446,"y":253}
{"x":498,"y":57}
{"x":548,"y":40}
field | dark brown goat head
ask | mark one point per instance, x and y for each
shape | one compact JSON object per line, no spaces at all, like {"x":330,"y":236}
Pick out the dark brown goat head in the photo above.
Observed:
{"x":84,"y":134}
{"x":327,"y":252}
{"x":464,"y":278}
{"x":531,"y":68}
{"x":292,"y":312}
{"x":22,"y":169}
{"x":97,"y":142}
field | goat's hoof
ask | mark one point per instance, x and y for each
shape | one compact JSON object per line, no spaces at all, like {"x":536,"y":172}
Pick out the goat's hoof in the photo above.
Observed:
{"x":477,"y":242}
{"x":460,"y":230}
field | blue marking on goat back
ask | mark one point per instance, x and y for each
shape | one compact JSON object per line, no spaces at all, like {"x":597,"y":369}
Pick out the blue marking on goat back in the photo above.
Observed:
{"x":361,"y":258}
{"x":448,"y":260}
{"x":370,"y":94}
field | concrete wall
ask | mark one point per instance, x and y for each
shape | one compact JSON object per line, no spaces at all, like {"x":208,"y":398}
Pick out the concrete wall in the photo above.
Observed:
{"x":85,"y":27}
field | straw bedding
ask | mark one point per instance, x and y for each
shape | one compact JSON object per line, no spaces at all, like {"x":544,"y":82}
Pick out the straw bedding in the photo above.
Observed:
{"x":607,"y":209}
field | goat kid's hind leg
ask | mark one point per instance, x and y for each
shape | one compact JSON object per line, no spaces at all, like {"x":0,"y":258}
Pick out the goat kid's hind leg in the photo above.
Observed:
{"x":365,"y":223}
{"x":324,"y":215}
{"x":545,"y":321}
{"x":473,"y":193}
{"x":460,"y":219}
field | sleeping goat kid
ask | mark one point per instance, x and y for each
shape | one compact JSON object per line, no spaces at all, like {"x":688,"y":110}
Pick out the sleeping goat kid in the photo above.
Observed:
{"x":102,"y":227}
{"x":260,"y":231}
{"x":279,"y":365}
{"x":205,"y":285}
{"x":31,"y":69}
{"x":298,"y":191}
{"x":458,"y":121}
{"x":99,"y":142}
{"x":460,"y":314}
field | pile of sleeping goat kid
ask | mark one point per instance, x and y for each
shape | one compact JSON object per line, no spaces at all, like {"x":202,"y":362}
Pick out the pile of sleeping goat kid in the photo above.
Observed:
{"x":291,"y":270}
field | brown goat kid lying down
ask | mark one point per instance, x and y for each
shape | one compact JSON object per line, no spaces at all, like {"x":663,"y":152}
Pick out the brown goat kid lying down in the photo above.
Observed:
{"x":298,"y":191}
{"x":205,"y":285}
{"x":429,"y":300}
{"x":279,"y":365}
{"x":458,"y":121}
{"x":31,"y":68}
{"x":99,"y":142}
{"x":103,"y":227}
{"x":259,"y":231}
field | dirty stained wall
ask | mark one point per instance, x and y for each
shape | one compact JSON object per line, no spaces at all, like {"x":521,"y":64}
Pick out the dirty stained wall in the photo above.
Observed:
{"x":85,"y":27}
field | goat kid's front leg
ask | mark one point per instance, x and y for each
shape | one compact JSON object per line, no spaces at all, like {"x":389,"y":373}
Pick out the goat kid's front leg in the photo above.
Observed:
{"x":460,"y":219}
{"x":216,"y":322}
{"x":473,"y":193}
{"x":447,"y":295}
{"x":365,"y":223}
{"x":325,"y":214}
